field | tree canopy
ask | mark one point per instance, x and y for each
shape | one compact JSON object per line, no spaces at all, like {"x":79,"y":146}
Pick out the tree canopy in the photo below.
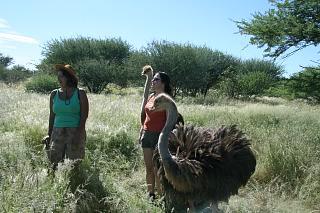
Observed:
{"x":73,"y":50}
{"x":306,"y":84}
{"x":290,"y":24}
{"x":5,"y":60}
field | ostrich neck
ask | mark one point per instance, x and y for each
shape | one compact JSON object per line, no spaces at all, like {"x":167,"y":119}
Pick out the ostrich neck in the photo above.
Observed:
{"x":172,"y":115}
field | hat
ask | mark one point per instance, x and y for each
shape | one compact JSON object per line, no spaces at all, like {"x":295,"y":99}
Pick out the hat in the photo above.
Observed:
{"x":67,"y":68}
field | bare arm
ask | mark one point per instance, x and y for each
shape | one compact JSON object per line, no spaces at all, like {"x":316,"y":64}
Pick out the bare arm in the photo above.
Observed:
{"x":84,"y":109}
{"x":51,"y":115}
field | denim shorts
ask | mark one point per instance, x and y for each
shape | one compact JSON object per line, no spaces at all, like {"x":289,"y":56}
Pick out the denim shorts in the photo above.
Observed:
{"x":149,"y":139}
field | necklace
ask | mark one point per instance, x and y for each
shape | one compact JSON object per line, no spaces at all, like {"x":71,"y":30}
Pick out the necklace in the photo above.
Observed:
{"x":67,"y":100}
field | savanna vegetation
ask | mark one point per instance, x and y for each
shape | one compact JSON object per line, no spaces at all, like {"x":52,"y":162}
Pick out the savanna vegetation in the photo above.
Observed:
{"x":279,"y":114}
{"x":284,"y":136}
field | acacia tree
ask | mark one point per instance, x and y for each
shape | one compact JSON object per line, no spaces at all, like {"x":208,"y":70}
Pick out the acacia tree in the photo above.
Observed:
{"x":185,"y":63}
{"x":133,"y":67}
{"x":5,"y":61}
{"x":74,"y":50}
{"x":96,"y":74}
{"x":290,"y":24}
{"x":249,"y":77}
{"x":97,"y":61}
{"x":306,"y":84}
{"x":219,"y":64}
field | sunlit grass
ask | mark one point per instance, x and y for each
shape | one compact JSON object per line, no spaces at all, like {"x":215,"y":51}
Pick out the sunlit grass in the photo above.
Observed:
{"x":284,"y":135}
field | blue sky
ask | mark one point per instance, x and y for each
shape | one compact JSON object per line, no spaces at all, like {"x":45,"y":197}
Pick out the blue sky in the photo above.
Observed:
{"x":26,"y":26}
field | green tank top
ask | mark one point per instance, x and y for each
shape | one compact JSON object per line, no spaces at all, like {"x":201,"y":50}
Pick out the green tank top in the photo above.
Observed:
{"x":66,"y":114}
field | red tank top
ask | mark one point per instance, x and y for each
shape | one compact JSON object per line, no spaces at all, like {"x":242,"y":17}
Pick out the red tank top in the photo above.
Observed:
{"x":154,"y":121}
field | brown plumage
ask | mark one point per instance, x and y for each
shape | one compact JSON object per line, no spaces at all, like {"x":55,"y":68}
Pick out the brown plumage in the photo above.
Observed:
{"x":204,"y":165}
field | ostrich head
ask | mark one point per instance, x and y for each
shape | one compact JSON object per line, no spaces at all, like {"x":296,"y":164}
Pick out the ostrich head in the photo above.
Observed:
{"x":146,"y":69}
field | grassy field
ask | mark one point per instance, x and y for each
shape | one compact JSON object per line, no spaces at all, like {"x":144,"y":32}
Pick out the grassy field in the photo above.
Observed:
{"x":285,"y":137}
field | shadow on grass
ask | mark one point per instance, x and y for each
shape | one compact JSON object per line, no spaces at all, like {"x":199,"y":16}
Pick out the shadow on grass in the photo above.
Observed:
{"x":87,"y":188}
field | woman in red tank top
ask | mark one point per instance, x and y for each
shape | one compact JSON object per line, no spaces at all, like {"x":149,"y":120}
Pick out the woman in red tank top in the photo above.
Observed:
{"x":152,"y":123}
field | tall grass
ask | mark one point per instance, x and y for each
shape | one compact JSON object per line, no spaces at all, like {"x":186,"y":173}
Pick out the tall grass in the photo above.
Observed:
{"x":285,"y":137}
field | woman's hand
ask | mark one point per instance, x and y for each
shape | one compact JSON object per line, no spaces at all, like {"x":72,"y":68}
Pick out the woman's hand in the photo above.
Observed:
{"x":140,"y":135}
{"x":46,"y":141}
{"x":78,"y":134}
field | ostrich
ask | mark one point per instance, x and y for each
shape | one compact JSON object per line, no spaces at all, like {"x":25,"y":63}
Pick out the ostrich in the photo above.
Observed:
{"x":200,"y":166}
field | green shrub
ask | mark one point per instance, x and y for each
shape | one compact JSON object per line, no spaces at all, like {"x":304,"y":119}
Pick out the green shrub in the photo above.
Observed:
{"x":73,"y":50}
{"x":33,"y":136}
{"x":15,"y":74}
{"x":87,"y":187}
{"x":306,"y":84}
{"x":123,"y":144}
{"x":246,"y":84}
{"x":310,"y":187}
{"x":116,"y":90}
{"x":211,"y":98}
{"x":250,"y":77}
{"x":3,"y":72}
{"x":5,"y":60}
{"x":14,"y":77}
{"x":115,"y":144}
{"x":253,"y":83}
{"x":32,"y":139}
{"x":133,"y":67}
{"x":42,"y":83}
{"x":281,"y":90}
{"x":287,"y":161}
{"x":185,"y":60}
{"x":93,"y":142}
{"x":96,"y":74}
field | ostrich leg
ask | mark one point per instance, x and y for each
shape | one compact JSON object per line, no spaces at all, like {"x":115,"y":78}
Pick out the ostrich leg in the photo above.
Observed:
{"x":203,"y":207}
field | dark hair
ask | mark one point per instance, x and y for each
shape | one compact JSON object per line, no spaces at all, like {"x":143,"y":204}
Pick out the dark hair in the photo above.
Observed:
{"x":72,"y":81}
{"x":165,"y":79}
{"x":180,"y":119}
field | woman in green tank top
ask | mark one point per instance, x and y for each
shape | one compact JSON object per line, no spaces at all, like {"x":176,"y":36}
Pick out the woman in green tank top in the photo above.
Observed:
{"x":68,"y":114}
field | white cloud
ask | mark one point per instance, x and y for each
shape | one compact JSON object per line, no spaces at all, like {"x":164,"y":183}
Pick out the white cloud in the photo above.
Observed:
{"x":7,"y":36}
{"x":17,"y":38}
{"x":8,"y":47}
{"x":4,"y":23}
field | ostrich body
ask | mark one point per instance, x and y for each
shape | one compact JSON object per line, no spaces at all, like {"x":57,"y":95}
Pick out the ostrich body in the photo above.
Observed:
{"x":201,"y":164}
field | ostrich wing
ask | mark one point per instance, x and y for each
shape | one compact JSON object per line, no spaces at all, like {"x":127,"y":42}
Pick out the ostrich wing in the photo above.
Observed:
{"x":211,"y":164}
